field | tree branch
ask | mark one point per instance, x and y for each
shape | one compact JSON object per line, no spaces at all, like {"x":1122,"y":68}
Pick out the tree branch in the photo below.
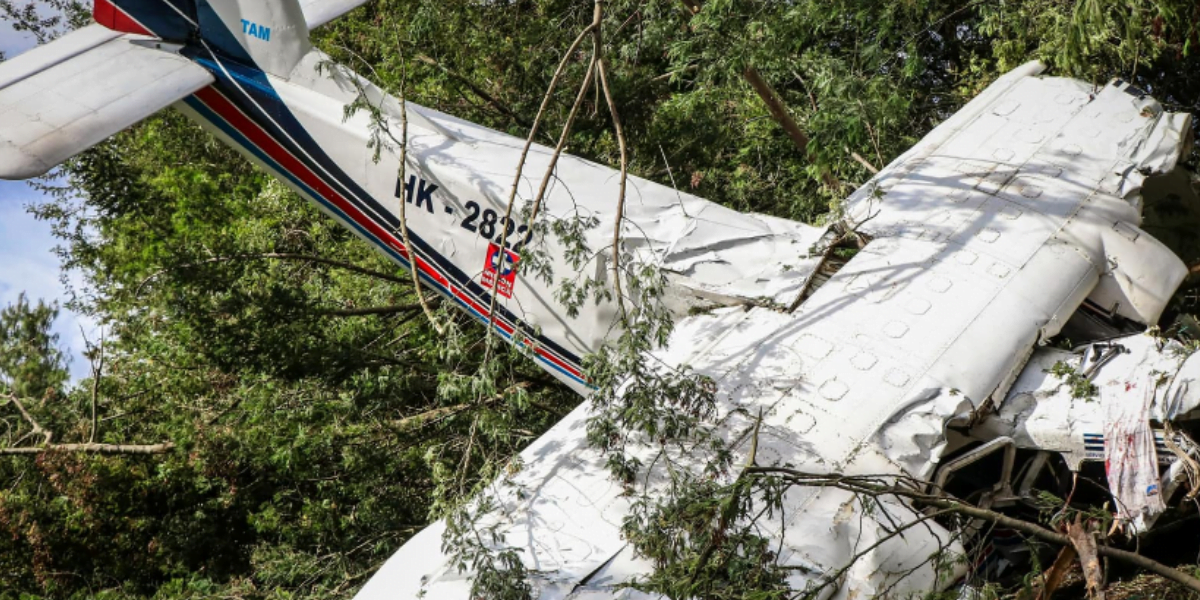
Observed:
{"x":562,"y":143}
{"x":533,"y":130}
{"x":353,"y":268}
{"x":376,"y":310}
{"x":775,"y":106}
{"x":88,"y":448}
{"x":862,"y":161}
{"x":874,"y":487}
{"x":500,"y":106}
{"x":435,"y":414}
{"x":414,"y":268}
{"x":37,"y":428}
{"x":91,"y":448}
{"x":602,"y":71}
{"x":97,"y":372}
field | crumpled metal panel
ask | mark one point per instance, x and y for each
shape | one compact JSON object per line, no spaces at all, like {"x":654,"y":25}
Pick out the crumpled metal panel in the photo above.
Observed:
{"x":1042,"y":412}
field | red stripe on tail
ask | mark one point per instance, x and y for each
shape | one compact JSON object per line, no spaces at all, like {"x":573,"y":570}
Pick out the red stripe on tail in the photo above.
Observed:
{"x":116,"y":19}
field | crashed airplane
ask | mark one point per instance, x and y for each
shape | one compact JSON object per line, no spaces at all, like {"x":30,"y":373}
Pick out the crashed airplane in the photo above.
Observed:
{"x":938,"y":351}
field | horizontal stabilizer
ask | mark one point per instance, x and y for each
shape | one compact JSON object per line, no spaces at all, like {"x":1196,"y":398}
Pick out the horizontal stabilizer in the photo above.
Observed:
{"x":61,"y":99}
{"x":320,"y":12}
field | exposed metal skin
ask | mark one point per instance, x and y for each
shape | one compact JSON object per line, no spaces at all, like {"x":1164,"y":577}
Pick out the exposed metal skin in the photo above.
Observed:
{"x":982,"y":241}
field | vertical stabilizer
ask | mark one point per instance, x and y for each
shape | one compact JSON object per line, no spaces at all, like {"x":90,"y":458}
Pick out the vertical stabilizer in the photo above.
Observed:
{"x":271,"y":35}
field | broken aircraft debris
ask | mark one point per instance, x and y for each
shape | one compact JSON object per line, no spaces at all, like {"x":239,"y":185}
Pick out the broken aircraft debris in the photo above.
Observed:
{"x":934,"y":353}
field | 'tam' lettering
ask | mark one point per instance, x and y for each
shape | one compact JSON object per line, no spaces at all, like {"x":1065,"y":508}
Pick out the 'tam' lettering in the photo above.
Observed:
{"x":254,"y":29}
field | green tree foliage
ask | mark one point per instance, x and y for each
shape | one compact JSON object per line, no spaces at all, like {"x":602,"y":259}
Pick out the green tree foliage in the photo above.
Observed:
{"x":319,"y":421}
{"x":31,"y":363}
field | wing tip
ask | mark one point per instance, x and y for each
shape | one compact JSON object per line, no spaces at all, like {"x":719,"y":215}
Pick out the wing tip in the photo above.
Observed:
{"x":16,"y":165}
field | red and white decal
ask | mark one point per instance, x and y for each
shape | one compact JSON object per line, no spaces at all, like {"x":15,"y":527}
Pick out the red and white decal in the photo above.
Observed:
{"x":506,"y":270}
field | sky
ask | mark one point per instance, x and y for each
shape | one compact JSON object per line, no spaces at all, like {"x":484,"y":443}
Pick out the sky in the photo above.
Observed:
{"x":27,"y":260}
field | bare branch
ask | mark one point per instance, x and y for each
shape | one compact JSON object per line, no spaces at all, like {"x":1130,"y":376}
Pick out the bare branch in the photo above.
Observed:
{"x":619,"y":218}
{"x":775,"y":106}
{"x":414,"y":266}
{"x":562,"y":142}
{"x":91,"y":448}
{"x":876,"y":486}
{"x":444,"y":412}
{"x":88,"y":448}
{"x":533,"y":130}
{"x":376,"y":310}
{"x":97,"y":373}
{"x":37,"y":428}
{"x":780,"y":113}
{"x":670,"y":74}
{"x":808,"y":90}
{"x":475,"y":89}
{"x":862,"y":161}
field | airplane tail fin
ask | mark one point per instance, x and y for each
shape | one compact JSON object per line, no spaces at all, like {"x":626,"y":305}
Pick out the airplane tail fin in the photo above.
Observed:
{"x":62,"y":98}
{"x":271,"y":35}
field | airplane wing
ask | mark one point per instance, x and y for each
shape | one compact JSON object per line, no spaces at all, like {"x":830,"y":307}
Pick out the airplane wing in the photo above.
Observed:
{"x":61,"y":99}
{"x":983,"y":240}
{"x":320,"y":12}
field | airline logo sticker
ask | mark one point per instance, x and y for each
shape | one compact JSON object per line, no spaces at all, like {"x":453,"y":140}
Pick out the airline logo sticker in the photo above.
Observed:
{"x":507,"y":271}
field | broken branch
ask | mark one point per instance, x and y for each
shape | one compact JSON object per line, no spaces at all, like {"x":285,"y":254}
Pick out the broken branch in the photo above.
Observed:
{"x":598,"y":43}
{"x":414,"y":267}
{"x":1057,"y":572}
{"x":875,"y":487}
{"x":866,"y":165}
{"x":1085,"y":547}
{"x":91,"y":448}
{"x":87,"y":448}
{"x":36,"y":428}
{"x":533,"y":130}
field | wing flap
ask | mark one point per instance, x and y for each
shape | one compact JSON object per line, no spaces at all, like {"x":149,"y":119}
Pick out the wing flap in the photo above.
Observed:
{"x":79,"y":90}
{"x":320,"y":12}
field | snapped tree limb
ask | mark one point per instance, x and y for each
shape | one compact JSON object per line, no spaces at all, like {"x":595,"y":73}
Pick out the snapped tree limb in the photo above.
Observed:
{"x":85,"y":448}
{"x":894,"y":486}
{"x":776,"y":108}
{"x":92,"y":448}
